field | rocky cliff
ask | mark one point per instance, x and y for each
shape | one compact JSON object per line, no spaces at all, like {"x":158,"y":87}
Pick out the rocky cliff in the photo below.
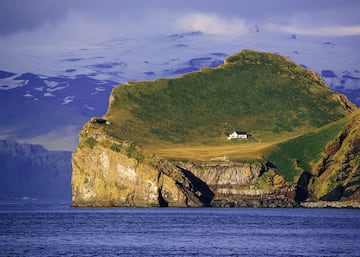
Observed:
{"x":110,"y":172}
{"x":159,"y":142}
{"x":31,"y":171}
{"x":243,"y":184}
{"x":325,"y":163}
{"x":337,"y":175}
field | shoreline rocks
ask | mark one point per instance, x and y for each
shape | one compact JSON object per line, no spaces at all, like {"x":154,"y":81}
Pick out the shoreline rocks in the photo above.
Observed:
{"x":330,"y":204}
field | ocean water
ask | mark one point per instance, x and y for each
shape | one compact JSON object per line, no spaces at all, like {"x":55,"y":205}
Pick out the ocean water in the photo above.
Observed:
{"x":54,"y":229}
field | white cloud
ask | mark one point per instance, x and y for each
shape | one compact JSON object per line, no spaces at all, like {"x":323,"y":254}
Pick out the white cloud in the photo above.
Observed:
{"x":80,"y":29}
{"x":329,"y":22}
{"x":323,"y":31}
{"x":212,"y":24}
{"x":11,"y":83}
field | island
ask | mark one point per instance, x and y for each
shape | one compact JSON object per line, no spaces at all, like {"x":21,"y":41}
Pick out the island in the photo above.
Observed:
{"x":165,"y":143}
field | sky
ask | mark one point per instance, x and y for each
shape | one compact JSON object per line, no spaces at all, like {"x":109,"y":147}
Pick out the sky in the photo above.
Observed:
{"x":46,"y":27}
{"x":122,"y":40}
{"x":73,"y":20}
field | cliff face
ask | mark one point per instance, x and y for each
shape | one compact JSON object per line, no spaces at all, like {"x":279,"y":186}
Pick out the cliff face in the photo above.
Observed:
{"x":111,"y":172}
{"x":108,"y":171}
{"x":337,"y":175}
{"x":32,"y":171}
{"x":105,"y":174}
{"x":118,"y":163}
{"x":243,"y":184}
{"x":225,"y":175}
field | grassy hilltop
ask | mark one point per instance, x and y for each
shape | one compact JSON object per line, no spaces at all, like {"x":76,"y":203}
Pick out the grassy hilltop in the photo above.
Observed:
{"x":163,"y":142}
{"x":265,"y":94}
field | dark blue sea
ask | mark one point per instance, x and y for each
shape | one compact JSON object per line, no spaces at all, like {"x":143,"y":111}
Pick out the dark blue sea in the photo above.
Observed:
{"x":30,"y":228}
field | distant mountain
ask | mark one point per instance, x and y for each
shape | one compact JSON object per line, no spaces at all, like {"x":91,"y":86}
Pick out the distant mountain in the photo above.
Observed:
{"x":31,"y":171}
{"x":49,"y":110}
{"x":346,"y":83}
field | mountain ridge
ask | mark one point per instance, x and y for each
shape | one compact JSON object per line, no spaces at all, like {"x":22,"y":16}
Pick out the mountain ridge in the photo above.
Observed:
{"x":31,"y":171}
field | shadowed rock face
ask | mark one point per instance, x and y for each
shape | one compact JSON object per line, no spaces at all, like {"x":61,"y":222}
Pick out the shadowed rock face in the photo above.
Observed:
{"x":302,"y":192}
{"x":334,"y":195}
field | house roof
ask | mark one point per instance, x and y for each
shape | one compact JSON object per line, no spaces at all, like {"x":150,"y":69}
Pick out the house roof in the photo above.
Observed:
{"x":237,"y":132}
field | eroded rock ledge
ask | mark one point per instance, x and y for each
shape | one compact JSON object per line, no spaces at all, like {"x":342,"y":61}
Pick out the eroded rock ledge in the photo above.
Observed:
{"x":110,"y":172}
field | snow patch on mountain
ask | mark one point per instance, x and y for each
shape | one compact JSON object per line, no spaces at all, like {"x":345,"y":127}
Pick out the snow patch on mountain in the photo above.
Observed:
{"x":89,"y":107}
{"x":100,"y":89}
{"x":28,"y":95}
{"x":50,"y":83}
{"x":53,"y":89}
{"x":68,"y":99}
{"x":11,"y":83}
{"x":48,"y":94}
{"x":40,"y":89}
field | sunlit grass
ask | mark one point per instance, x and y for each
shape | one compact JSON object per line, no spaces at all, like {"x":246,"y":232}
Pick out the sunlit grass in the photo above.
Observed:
{"x":264,"y":94}
{"x":250,"y":151}
{"x":303,"y":152}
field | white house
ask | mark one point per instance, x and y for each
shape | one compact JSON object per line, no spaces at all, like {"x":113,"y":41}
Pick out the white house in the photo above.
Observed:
{"x":238,"y":135}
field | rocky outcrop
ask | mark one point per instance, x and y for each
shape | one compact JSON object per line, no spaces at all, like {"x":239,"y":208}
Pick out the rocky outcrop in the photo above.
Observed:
{"x":108,"y":171}
{"x":105,"y":177}
{"x":222,"y":175}
{"x":110,"y":168}
{"x":237,"y":184}
{"x":337,"y":175}
{"x":331,"y":204}
{"x":111,"y":172}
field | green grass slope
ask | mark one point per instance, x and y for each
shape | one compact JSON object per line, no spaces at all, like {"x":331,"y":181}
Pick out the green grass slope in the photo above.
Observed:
{"x":264,"y":94}
{"x":330,"y":154}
